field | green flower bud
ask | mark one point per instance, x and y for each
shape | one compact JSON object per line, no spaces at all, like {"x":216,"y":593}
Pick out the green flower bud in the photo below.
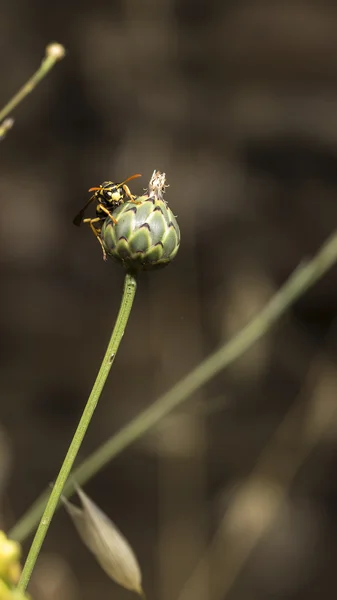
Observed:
{"x":146,"y":234}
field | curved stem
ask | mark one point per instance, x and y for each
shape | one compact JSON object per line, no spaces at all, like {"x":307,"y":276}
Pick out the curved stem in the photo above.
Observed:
{"x":130,"y":287}
{"x":54,"y":53}
{"x":302,"y":279}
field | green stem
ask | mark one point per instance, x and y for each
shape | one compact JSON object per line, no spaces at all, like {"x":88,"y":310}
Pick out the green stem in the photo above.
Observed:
{"x":303,"y":278}
{"x":129,"y":291}
{"x":54,"y":53}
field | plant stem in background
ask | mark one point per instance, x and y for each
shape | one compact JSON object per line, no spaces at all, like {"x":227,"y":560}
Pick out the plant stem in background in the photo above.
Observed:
{"x":303,"y":278}
{"x":54,"y":53}
{"x":130,"y":286}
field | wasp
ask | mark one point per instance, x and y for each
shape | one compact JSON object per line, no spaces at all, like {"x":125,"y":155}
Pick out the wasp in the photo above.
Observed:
{"x":108,"y":196}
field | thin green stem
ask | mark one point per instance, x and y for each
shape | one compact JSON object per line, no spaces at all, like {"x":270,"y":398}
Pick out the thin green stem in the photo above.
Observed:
{"x":129,"y":291}
{"x":54,"y":53}
{"x":303,"y":278}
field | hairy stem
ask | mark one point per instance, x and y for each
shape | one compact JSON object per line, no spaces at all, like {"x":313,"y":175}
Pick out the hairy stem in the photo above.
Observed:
{"x":303,"y":278}
{"x":54,"y":53}
{"x":130,"y":287}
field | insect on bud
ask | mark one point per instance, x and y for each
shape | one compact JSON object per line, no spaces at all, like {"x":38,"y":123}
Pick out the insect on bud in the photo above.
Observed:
{"x":146,"y":234}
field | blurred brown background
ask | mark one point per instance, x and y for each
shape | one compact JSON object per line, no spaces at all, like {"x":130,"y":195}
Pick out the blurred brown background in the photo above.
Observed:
{"x":237,"y":103}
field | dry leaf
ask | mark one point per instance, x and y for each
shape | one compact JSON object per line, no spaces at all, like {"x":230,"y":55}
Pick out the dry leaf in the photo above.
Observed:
{"x":106,"y":542}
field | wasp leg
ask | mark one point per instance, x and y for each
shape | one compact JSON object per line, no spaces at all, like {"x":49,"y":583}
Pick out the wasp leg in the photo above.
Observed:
{"x":96,"y":233}
{"x":105,"y":210}
{"x":130,"y":196}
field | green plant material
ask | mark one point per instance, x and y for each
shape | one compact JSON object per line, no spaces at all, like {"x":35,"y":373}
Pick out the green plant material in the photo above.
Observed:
{"x":106,"y":542}
{"x":146,"y":234}
{"x":302,"y":279}
{"x":7,"y":593}
{"x":54,"y":53}
{"x":10,"y":569}
{"x":129,"y":292}
{"x":10,"y":553}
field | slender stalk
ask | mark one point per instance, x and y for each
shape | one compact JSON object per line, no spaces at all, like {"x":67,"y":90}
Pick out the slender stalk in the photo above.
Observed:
{"x":129,"y":292}
{"x":54,"y":53}
{"x":302,"y":279}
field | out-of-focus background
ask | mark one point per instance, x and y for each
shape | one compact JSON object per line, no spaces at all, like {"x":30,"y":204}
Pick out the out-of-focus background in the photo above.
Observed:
{"x":233,"y":496}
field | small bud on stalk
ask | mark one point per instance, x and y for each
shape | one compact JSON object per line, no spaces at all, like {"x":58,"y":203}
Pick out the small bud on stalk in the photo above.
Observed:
{"x":146,"y":234}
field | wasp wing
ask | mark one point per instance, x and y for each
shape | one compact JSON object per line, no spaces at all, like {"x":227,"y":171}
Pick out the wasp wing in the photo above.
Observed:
{"x":79,"y":217}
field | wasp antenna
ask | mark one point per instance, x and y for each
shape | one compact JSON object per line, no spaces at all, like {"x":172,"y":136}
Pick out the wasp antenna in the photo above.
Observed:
{"x":129,"y":179}
{"x":94,"y":189}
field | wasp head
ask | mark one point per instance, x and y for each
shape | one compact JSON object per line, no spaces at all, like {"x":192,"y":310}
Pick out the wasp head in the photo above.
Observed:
{"x":109,"y":193}
{"x":112,"y":194}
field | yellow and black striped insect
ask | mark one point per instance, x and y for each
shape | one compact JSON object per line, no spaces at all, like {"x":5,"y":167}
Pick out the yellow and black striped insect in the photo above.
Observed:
{"x":108,"y":196}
